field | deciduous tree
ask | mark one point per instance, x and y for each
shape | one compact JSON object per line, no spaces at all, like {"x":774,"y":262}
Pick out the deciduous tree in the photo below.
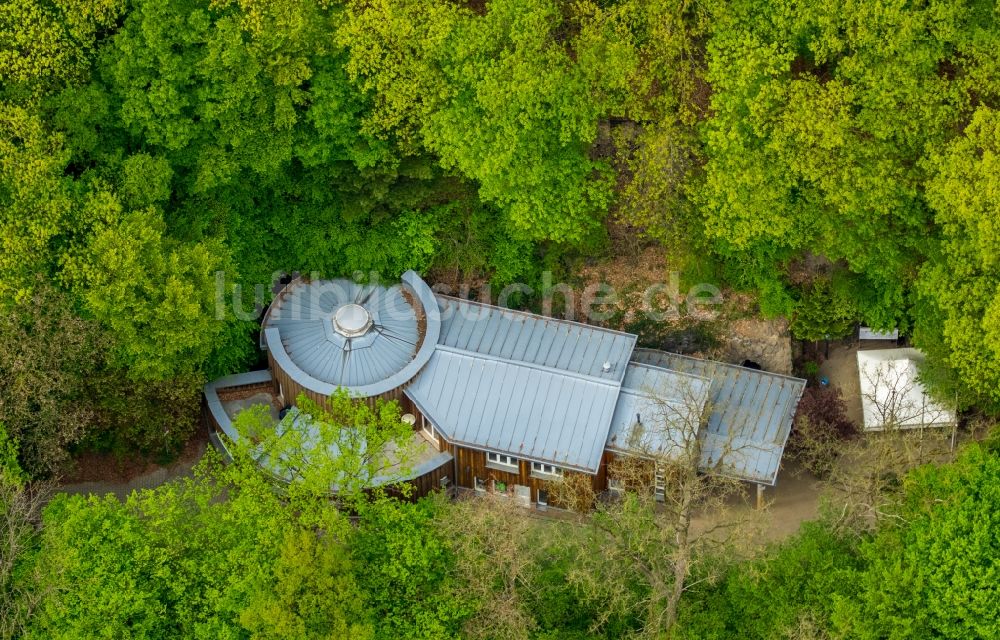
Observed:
{"x":933,"y":572}
{"x":644,"y":551}
{"x":960,"y":284}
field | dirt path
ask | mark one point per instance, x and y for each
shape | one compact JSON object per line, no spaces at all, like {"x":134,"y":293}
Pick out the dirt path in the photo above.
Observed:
{"x":793,"y":500}
{"x":841,"y":369}
{"x":148,"y":480}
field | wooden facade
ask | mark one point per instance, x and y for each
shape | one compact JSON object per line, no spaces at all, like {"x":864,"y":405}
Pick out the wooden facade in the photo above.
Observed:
{"x":433,"y":480}
{"x":471,"y":464}
{"x":286,"y":388}
{"x":466,"y":466}
{"x":464,"y":469}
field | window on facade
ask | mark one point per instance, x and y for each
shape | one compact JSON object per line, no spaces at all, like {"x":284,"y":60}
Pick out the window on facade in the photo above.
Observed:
{"x":479,"y":483}
{"x":542,"y":469}
{"x":428,"y":428}
{"x":502,"y":460}
{"x":543,"y":497}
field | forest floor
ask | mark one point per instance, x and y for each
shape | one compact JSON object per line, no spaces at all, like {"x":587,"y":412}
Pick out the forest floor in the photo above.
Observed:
{"x":103,"y":473}
{"x":728,"y":328}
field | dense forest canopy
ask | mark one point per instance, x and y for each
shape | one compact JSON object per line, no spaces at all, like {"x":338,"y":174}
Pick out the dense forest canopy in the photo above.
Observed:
{"x":834,"y":158}
{"x":161,"y":161}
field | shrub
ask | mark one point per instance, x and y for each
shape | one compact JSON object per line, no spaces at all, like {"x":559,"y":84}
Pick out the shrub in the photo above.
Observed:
{"x":821,"y":422}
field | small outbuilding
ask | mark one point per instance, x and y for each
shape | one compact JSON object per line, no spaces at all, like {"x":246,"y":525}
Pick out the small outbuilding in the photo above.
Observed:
{"x":892,"y":395}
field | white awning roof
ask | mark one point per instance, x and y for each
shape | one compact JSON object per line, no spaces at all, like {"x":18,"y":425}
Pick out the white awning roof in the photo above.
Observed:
{"x":891,"y":394}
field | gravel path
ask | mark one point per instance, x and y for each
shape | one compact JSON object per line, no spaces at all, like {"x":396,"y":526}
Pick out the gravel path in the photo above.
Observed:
{"x":147,"y":480}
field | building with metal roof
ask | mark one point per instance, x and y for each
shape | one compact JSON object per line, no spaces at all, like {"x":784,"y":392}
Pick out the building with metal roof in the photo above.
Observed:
{"x":892,"y":396}
{"x":368,"y":339}
{"x":515,"y":382}
{"x":422,"y":465}
{"x":750,"y":414}
{"x":516,"y":399}
{"x":518,"y":336}
{"x":658,"y":412}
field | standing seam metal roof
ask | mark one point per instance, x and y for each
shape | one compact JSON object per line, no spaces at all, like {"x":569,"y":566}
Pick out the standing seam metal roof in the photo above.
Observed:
{"x":528,"y":411}
{"x":519,"y":336}
{"x":750,"y":414}
{"x":299,"y":333}
{"x":658,"y":410}
{"x":523,"y":384}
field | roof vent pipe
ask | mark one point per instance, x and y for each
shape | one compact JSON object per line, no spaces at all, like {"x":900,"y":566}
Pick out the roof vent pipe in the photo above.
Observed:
{"x":607,"y":367}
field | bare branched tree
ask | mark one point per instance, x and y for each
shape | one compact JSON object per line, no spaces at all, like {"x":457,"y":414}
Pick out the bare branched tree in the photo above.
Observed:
{"x":894,"y":399}
{"x":662,"y":532}
{"x":807,"y":627}
{"x":495,"y":549}
{"x":21,"y":507}
{"x":866,"y":480}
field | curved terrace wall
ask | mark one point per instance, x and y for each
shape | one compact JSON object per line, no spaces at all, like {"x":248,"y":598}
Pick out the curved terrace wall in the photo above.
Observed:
{"x":425,"y":477}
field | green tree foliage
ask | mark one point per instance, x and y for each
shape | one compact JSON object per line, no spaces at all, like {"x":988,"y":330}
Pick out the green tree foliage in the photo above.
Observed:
{"x":824,"y":112}
{"x":48,"y":361}
{"x":403,"y":565}
{"x":930,"y":572}
{"x":10,"y":466}
{"x":824,"y":312}
{"x":344,"y":447}
{"x":228,"y":554}
{"x":19,"y":506}
{"x":313,"y":595}
{"x":519,"y":119}
{"x":140,"y":320}
{"x":47,"y":45}
{"x":798,"y":142}
{"x":497,"y":98}
{"x":100,"y":540}
{"x":960,"y":284}
{"x":935,"y":574}
{"x":790,"y":590}
{"x":219,"y":555}
{"x":217,"y":89}
{"x":157,"y":295}
{"x":225,"y":555}
{"x":35,"y":203}
{"x":59,"y":390}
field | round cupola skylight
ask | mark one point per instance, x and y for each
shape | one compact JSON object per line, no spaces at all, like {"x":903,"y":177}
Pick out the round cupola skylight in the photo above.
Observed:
{"x":352,"y":320}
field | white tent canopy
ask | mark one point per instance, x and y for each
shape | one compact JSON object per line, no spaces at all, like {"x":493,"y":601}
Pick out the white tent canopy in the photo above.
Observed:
{"x":891,"y":394}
